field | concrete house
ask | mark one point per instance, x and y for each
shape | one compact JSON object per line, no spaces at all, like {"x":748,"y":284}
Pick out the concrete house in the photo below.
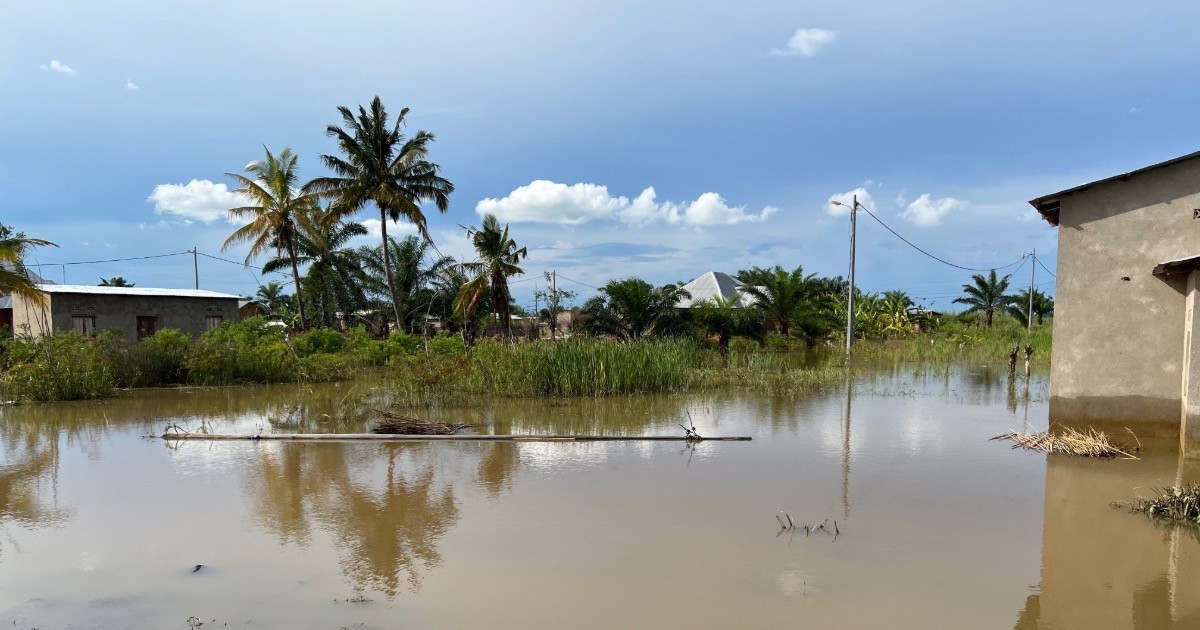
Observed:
{"x":137,"y":312}
{"x":1125,"y":300}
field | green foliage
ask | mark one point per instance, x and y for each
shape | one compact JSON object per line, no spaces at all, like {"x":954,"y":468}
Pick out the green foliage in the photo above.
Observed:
{"x":985,"y":294}
{"x":632,"y":309}
{"x":744,"y":345}
{"x":158,"y":360}
{"x":721,"y":319}
{"x":446,"y":344}
{"x":63,"y":367}
{"x":323,"y":341}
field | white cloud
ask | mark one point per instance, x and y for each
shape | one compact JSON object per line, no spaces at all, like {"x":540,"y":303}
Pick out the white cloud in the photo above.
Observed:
{"x":1136,"y":110}
{"x":806,"y":42}
{"x":544,"y":201}
{"x":198,"y":200}
{"x":846,"y":199}
{"x":396,"y":229}
{"x":58,"y":66}
{"x":131,"y":86}
{"x":926,"y":211}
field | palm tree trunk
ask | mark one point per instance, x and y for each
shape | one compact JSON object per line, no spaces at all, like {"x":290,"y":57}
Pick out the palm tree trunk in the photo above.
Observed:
{"x":500,"y":299}
{"x":987,"y":318}
{"x":387,"y":271}
{"x":296,"y":278}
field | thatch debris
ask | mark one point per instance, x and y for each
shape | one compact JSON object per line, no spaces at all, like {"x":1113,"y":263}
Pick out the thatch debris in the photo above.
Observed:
{"x":1175,"y":504}
{"x":398,"y":424}
{"x":1090,"y":443}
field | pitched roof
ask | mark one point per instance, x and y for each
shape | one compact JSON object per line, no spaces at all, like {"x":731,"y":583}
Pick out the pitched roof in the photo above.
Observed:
{"x":1047,"y":205}
{"x":712,"y":285}
{"x":137,"y":291}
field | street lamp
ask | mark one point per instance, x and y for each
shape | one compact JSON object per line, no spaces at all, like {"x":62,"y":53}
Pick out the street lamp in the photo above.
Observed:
{"x":854,"y":206}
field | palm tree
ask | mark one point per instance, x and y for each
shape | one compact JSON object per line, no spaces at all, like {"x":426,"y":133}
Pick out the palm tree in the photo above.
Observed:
{"x":335,"y":276}
{"x":779,"y":294}
{"x":985,"y":295}
{"x":272,"y":297}
{"x":14,"y":277}
{"x":115,"y":281}
{"x":276,"y":203}
{"x":381,"y":165}
{"x":632,"y":308}
{"x":498,"y":259}
{"x":721,"y":318}
{"x":411,"y":274}
{"x":1043,"y":306}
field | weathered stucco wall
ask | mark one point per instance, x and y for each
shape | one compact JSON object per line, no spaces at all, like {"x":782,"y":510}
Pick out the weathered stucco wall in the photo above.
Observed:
{"x":1118,"y":329}
{"x":120,"y":312}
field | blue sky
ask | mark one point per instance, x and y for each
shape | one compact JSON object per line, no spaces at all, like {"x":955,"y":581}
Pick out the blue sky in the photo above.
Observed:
{"x":658,"y":139}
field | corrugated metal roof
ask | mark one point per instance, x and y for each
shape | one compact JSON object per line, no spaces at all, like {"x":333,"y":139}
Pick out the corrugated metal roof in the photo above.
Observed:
{"x":1047,"y":205}
{"x":136,"y":291}
{"x":712,"y":285}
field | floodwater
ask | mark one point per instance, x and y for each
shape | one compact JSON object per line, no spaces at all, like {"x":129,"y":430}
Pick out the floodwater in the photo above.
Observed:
{"x":102,"y":525}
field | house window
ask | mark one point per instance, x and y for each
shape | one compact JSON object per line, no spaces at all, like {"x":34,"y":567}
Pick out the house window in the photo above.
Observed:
{"x":84,"y":324}
{"x":212,"y":321}
{"x":146,"y":326}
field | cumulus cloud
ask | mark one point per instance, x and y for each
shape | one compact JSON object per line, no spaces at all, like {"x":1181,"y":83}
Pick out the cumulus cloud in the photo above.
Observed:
{"x":198,"y":200}
{"x":926,"y":211}
{"x":806,"y":42}
{"x":396,"y":229}
{"x":58,"y":66}
{"x":846,"y":200}
{"x":544,"y":201}
{"x":131,"y":86}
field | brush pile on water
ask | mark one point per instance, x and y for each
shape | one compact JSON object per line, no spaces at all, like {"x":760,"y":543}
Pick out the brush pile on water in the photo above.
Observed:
{"x":1181,"y":504}
{"x":398,"y":424}
{"x":1090,"y":443}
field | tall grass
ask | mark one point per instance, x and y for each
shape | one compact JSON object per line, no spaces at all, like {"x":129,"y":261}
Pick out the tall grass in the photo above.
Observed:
{"x":597,"y":367}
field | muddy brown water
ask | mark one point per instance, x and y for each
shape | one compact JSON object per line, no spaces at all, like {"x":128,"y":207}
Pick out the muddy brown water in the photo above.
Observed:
{"x":101,"y":527}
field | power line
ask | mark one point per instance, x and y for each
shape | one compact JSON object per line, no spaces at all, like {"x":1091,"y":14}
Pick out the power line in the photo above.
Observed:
{"x":1039,"y":261}
{"x":590,"y":286}
{"x":943,"y":261}
{"x":111,"y":260}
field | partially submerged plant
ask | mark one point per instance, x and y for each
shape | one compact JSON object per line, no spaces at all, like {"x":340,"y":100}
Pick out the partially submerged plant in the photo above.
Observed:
{"x":1176,"y":503}
{"x":1090,"y":443}
{"x":397,"y":424}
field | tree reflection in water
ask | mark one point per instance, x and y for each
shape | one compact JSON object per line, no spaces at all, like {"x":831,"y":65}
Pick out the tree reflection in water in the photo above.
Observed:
{"x":385,"y":523}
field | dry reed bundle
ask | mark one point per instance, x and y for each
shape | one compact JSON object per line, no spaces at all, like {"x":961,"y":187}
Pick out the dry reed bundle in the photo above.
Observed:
{"x":1090,"y":443}
{"x":398,"y":424}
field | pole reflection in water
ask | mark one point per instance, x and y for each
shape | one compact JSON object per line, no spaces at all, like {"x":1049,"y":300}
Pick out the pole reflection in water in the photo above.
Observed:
{"x":846,"y":450}
{"x":1107,"y":567}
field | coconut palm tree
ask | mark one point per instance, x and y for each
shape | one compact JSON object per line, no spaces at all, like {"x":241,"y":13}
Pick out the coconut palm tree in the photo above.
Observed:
{"x":498,"y":257}
{"x":414,"y":268}
{"x":984,"y":295}
{"x":1043,"y":306}
{"x":14,"y":277}
{"x":276,"y":202}
{"x":379,"y":164}
{"x":632,"y":308}
{"x":779,"y":294}
{"x":335,"y":276}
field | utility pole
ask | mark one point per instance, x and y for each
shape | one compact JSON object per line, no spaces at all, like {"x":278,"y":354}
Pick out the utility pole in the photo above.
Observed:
{"x":64,"y":273}
{"x":195,"y":266}
{"x":553,"y":305}
{"x":850,"y":298}
{"x":1032,"y":273}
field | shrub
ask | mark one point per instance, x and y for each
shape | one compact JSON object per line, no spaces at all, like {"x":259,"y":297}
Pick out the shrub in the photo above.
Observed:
{"x":158,"y":360}
{"x":322,"y":341}
{"x":446,"y":344}
{"x":743,"y":345}
{"x":64,"y":366}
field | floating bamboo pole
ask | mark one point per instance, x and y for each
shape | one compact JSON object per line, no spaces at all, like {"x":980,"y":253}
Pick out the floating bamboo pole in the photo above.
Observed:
{"x":392,"y":437}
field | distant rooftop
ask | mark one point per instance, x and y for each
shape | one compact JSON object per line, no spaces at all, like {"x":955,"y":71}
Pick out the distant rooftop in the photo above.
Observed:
{"x":138,"y":291}
{"x":712,"y":285}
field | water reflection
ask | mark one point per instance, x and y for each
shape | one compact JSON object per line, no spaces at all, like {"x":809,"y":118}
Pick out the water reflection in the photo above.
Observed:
{"x":383,"y":505}
{"x":28,"y":474}
{"x":1105,"y":567}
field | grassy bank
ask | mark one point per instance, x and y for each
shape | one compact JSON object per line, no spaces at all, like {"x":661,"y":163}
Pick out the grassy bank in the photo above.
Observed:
{"x":68,"y":366}
{"x":596,"y":367}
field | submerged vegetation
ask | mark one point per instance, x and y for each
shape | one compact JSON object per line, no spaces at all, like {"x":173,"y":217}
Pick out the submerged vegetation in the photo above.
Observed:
{"x":1176,"y":504}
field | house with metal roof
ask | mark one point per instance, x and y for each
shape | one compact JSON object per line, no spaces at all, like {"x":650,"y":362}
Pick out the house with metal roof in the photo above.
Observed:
{"x":1126,"y":300}
{"x":136,"y":312}
{"x":715,"y":285}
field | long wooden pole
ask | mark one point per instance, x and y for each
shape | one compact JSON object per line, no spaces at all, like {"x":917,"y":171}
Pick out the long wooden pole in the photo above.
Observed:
{"x":391,"y":437}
